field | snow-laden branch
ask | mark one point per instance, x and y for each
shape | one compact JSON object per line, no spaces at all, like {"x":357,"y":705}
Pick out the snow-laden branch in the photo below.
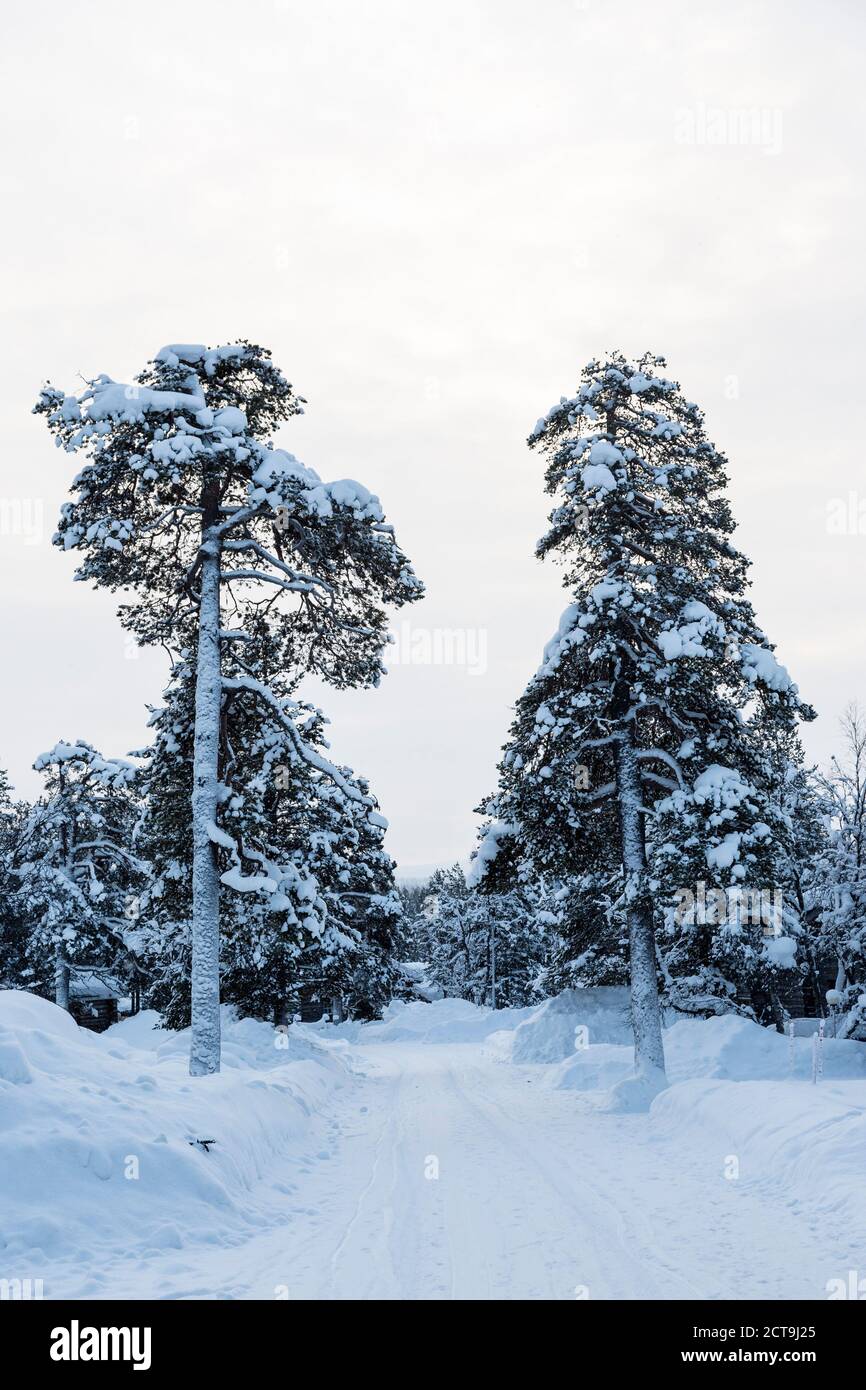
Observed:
{"x":599,"y":742}
{"x":60,"y":876}
{"x":172,"y":512}
{"x":305,"y":752}
{"x":277,"y":563}
{"x":659,"y":755}
{"x":111,"y":848}
{"x":239,"y":517}
{"x":220,"y":837}
{"x":607,"y":789}
{"x":293,"y":586}
{"x":665,"y":782}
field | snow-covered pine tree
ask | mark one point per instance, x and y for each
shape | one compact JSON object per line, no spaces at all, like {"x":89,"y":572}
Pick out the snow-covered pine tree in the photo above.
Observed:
{"x":418,"y":906}
{"x":75,"y":867}
{"x":451,"y":951}
{"x":730,"y":928}
{"x":316,"y":901}
{"x":185,"y":500}
{"x":163,"y":927}
{"x":642,"y":691}
{"x":15,"y":972}
{"x":839,"y":881}
{"x":587,"y":940}
{"x":801,"y":807}
{"x":306,"y":887}
{"x":489,"y":948}
{"x":354,"y":958}
{"x":514,"y":934}
{"x":412,"y":895}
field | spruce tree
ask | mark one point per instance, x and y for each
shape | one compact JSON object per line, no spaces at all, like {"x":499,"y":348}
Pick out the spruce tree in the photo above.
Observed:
{"x":449,"y":914}
{"x":645,"y":690}
{"x":803,"y":807}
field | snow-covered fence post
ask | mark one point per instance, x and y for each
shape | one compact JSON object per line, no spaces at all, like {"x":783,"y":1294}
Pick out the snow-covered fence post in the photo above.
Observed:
{"x":791,"y":1053}
{"x":821,"y":1026}
{"x":834,"y":999}
{"x":818,"y":1054}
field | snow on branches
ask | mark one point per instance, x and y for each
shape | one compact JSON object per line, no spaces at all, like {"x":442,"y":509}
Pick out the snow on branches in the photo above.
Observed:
{"x":235,"y":552}
{"x":657,"y":682}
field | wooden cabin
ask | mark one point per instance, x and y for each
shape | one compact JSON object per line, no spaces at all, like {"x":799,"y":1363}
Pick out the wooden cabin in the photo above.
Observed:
{"x":94,"y":999}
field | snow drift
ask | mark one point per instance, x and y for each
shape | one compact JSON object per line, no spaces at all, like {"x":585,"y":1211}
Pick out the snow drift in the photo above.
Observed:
{"x":726,"y":1048}
{"x":440,"y":1021}
{"x":98,"y":1138}
{"x":572,"y":1021}
{"x":735,"y":1089}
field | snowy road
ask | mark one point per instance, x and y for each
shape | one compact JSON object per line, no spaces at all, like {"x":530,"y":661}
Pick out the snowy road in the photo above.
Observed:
{"x":449,"y":1175}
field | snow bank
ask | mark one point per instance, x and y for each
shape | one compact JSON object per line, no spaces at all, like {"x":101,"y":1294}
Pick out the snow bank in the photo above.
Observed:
{"x":440,"y":1021}
{"x":635,"y":1093}
{"x":807,"y":1140}
{"x":572,"y":1020}
{"x":97,"y":1137}
{"x":726,"y":1048}
{"x":737,"y":1091}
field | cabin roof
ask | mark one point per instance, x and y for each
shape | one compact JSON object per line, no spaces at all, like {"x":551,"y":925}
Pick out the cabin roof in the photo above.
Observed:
{"x":85,"y":984}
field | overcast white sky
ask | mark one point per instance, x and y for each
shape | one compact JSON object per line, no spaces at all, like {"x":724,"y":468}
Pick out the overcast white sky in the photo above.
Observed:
{"x":434,"y":214}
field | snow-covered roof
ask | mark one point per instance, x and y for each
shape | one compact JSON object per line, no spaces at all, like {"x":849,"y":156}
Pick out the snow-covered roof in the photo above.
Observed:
{"x":84,"y":984}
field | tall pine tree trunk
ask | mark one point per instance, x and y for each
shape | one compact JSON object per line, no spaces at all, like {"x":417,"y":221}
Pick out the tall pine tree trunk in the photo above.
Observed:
{"x":61,"y":980}
{"x":62,"y":972}
{"x":646,"y":1016}
{"x":204,"y":1055}
{"x":649,"y":1053}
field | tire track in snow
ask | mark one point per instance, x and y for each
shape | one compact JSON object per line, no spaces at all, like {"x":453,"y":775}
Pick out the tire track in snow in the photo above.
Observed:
{"x":595,"y":1210}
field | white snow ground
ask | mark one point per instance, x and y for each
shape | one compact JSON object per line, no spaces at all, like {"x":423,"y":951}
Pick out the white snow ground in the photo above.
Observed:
{"x":414,"y":1159}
